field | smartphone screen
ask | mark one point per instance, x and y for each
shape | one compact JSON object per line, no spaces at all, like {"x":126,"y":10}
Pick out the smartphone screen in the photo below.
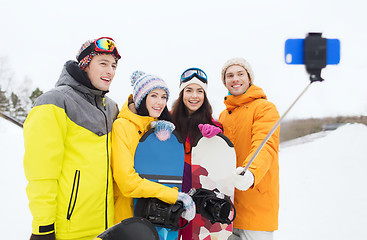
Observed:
{"x":293,"y":51}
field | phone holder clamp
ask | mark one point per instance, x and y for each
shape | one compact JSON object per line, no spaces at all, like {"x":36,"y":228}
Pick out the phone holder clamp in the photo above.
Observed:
{"x":315,"y":49}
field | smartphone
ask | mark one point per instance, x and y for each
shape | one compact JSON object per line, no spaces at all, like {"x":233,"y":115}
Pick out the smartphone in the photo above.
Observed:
{"x":294,"y":53}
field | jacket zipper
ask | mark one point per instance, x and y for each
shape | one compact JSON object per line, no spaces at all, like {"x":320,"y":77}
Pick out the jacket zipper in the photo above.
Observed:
{"x":73,"y":196}
{"x":108,"y":159}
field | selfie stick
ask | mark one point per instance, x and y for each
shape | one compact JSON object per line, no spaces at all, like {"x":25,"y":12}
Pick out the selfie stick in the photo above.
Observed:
{"x":315,"y":60}
{"x":272,"y":131}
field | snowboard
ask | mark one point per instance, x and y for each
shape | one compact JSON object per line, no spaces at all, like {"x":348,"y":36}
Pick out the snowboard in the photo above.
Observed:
{"x":212,"y":162}
{"x":162,"y":162}
{"x":130,"y":229}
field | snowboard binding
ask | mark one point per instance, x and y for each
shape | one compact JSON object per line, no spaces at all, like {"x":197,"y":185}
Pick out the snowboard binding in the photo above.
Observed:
{"x":213,"y":205}
{"x":159,"y":213}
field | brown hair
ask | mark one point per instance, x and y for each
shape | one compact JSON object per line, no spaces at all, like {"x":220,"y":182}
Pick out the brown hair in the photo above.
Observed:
{"x":187,"y":125}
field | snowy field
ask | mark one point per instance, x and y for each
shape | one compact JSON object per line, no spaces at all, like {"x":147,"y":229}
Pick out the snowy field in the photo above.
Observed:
{"x":321,"y":186}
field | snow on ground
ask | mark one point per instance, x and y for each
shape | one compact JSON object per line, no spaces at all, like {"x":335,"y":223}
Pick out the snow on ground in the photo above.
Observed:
{"x":15,"y":220}
{"x":322,"y":186}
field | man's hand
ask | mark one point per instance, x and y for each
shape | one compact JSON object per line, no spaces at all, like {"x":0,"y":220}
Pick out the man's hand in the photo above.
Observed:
{"x":242,"y":182}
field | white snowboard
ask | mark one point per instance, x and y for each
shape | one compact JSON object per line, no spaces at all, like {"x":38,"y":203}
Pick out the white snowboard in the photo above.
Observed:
{"x":213,"y":161}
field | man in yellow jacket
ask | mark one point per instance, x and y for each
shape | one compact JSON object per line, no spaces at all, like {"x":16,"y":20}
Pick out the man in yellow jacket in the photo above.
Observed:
{"x":247,"y":119}
{"x":67,"y":148}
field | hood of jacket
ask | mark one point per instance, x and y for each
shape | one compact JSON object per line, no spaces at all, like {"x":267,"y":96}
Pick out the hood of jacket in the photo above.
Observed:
{"x":71,"y":75}
{"x":141,"y":122}
{"x":253,"y":92}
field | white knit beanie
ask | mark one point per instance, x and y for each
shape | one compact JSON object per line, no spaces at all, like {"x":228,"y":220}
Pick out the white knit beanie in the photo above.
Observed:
{"x":191,"y":81}
{"x":241,"y":62}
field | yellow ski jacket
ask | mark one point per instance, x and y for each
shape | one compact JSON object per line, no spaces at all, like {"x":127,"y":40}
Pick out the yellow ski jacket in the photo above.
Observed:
{"x":126,"y":133}
{"x":67,"y":160}
{"x":246,"y":121}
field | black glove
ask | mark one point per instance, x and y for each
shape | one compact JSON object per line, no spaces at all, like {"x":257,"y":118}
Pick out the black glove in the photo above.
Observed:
{"x":50,"y":236}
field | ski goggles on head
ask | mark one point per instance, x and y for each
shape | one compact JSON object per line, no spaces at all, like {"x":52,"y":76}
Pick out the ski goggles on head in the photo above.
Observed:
{"x":194,"y":72}
{"x":101,"y":45}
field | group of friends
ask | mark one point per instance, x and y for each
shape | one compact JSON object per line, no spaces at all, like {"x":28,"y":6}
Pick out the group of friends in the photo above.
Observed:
{"x":79,"y":146}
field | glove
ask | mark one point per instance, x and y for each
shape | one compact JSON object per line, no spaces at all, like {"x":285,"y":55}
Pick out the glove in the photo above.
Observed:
{"x":50,"y":236}
{"x":188,"y":204}
{"x":163,"y":129}
{"x":209,"y":130}
{"x":242,"y":182}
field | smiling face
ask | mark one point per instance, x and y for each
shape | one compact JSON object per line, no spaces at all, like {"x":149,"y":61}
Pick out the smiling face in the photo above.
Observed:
{"x":193,"y":97}
{"x":236,"y":80}
{"x":101,"y":71}
{"x":156,"y":102}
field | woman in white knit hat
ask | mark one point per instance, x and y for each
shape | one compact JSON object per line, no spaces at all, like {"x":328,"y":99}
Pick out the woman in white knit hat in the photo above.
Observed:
{"x":247,"y":119}
{"x":192,"y":116}
{"x":148,"y":103}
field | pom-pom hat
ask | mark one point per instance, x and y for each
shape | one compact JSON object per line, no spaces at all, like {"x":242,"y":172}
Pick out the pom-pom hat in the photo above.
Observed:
{"x":143,"y":84}
{"x":241,"y":62}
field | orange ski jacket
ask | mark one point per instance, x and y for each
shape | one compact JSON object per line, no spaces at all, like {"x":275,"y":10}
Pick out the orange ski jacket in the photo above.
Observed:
{"x":246,"y":121}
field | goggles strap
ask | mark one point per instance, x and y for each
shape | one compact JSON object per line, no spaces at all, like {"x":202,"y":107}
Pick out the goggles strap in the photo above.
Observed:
{"x":91,"y":48}
{"x":193,"y":80}
{"x":85,"y":52}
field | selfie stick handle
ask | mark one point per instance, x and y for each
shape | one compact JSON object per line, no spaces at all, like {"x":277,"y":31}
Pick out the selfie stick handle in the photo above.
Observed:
{"x":272,"y":131}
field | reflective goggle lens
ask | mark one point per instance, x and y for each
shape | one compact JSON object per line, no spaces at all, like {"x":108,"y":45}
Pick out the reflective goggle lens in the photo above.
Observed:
{"x":188,"y":74}
{"x":105,"y":44}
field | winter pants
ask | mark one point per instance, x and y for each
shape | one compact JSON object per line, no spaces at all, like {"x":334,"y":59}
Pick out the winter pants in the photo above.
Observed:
{"x":241,"y":234}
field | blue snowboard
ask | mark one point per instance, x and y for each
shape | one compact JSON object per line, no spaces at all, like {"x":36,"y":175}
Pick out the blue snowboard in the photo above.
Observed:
{"x":162,"y":162}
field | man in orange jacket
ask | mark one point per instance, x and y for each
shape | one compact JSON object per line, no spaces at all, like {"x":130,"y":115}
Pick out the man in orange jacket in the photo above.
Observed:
{"x":247,"y":119}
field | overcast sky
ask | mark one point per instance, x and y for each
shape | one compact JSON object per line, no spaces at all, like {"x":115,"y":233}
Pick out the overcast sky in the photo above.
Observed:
{"x":164,"y":37}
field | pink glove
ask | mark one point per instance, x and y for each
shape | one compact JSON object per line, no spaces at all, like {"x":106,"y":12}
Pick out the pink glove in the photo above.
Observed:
{"x":209,"y":130}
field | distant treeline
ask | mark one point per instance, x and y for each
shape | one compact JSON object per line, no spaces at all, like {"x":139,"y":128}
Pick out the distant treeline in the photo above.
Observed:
{"x":16,"y":98}
{"x":297,"y":128}
{"x":15,"y":106}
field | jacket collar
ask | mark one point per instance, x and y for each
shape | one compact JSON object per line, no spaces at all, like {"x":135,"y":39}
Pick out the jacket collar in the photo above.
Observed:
{"x":142,"y":122}
{"x":76,"y":78}
{"x":253,"y":92}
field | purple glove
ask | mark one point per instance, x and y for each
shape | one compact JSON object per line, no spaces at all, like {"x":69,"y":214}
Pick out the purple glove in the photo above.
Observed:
{"x":209,"y":130}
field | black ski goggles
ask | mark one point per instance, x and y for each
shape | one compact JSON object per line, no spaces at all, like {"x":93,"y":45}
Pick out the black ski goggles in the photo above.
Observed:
{"x":101,"y":45}
{"x":194,"y":72}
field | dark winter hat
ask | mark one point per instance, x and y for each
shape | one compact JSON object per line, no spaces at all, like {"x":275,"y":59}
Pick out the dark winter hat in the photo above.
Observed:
{"x":143,"y":84}
{"x":91,"y":48}
{"x":237,"y":61}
